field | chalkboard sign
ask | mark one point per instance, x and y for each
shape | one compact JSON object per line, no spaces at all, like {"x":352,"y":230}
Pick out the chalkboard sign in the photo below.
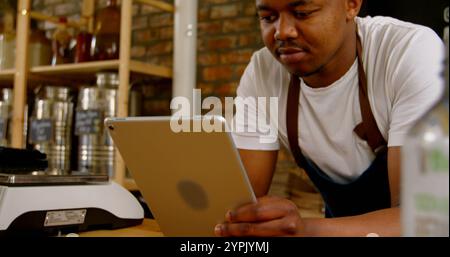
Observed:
{"x":41,"y":131}
{"x":88,"y":122}
{"x":3,"y":123}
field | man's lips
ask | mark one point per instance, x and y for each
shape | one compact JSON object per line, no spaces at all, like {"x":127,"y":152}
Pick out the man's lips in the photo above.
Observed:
{"x":291,"y":54}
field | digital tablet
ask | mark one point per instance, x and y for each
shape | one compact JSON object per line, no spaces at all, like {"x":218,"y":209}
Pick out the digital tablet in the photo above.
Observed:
{"x":189,"y":174}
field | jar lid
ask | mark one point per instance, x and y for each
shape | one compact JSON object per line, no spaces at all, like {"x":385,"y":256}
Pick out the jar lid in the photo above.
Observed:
{"x":57,"y":93}
{"x":108,"y":79}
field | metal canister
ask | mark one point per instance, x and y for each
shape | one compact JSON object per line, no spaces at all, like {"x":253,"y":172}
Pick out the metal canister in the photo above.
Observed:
{"x":5,"y":116}
{"x":51,"y":127}
{"x":7,"y":95}
{"x":95,"y":103}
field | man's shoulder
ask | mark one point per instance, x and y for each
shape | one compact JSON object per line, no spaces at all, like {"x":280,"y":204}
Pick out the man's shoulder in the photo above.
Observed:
{"x":386,"y":22}
{"x":391,"y":45}
{"x":383,"y":29}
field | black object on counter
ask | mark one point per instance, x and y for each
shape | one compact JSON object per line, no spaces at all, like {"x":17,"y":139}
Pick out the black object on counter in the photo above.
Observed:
{"x":13,"y":161}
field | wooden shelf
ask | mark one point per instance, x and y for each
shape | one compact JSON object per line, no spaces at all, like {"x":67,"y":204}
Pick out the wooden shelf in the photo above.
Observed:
{"x":7,"y":75}
{"x":76,"y":68}
{"x":158,"y":4}
{"x":150,"y":69}
{"x":80,"y":71}
{"x":93,"y":67}
{"x":53,"y":19}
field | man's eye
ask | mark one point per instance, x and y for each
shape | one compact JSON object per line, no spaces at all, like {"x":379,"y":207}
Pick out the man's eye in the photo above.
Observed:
{"x":268,"y":18}
{"x":301,"y":15}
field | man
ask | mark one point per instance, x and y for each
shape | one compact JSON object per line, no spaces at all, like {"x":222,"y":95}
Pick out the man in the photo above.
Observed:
{"x":349,"y":90}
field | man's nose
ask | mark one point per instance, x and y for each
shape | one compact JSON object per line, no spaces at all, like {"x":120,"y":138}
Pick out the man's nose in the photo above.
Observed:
{"x":285,"y":28}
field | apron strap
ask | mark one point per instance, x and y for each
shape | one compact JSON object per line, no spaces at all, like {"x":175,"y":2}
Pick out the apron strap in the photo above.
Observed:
{"x":366,"y":130}
{"x":293,"y":105}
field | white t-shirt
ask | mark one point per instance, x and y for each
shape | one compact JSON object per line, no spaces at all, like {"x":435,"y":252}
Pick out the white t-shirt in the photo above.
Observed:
{"x":403,"y":63}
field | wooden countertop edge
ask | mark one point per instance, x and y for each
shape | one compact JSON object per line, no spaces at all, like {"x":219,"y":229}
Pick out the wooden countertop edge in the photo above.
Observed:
{"x":148,"y":228}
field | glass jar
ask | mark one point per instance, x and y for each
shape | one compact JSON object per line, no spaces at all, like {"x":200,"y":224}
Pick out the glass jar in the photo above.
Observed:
{"x":106,"y":42}
{"x":7,"y":15}
{"x":5,"y":116}
{"x":61,"y":43}
{"x":83,"y":46}
{"x":39,"y":47}
{"x":7,"y":50}
{"x":7,"y":36}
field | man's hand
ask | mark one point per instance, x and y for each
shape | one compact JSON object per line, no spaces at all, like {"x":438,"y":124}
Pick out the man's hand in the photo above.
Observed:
{"x":270,"y":216}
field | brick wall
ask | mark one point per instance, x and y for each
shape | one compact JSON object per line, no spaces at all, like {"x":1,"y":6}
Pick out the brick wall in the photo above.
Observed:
{"x":228,"y":35}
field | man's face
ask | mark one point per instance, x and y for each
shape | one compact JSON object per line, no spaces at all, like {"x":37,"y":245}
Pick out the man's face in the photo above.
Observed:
{"x":303,"y":35}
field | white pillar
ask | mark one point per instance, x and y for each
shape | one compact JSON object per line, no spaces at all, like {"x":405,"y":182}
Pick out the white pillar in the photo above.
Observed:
{"x":185,"y":49}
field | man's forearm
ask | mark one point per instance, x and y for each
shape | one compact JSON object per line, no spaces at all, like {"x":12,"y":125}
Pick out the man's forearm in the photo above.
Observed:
{"x":383,"y":222}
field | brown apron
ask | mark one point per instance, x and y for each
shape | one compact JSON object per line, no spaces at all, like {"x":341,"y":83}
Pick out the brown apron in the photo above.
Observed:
{"x":370,"y":191}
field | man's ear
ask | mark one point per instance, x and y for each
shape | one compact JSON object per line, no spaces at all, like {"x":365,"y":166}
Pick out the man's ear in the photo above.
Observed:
{"x":352,"y":7}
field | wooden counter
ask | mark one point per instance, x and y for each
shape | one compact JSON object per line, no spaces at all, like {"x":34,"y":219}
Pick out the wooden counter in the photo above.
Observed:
{"x":148,"y":228}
